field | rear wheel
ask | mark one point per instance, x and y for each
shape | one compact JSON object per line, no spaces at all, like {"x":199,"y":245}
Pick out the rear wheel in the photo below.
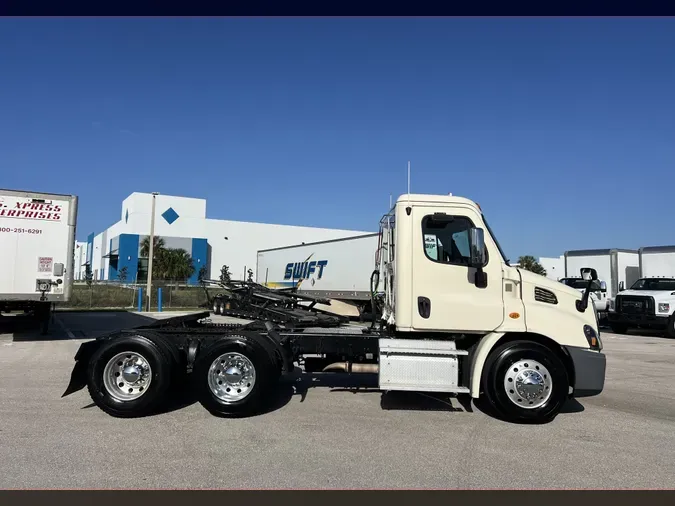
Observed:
{"x":233,"y":376}
{"x":525,"y":381}
{"x":129,"y":376}
{"x":178,"y":359}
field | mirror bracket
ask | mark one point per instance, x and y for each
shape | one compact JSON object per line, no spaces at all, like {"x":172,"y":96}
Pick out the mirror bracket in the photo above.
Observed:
{"x":589,"y":274}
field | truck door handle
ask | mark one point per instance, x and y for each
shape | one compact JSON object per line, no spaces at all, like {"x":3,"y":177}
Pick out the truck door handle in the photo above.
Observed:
{"x":424,"y":307}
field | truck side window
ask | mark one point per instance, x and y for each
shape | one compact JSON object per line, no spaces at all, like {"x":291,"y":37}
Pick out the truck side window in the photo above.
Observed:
{"x":446,"y":239}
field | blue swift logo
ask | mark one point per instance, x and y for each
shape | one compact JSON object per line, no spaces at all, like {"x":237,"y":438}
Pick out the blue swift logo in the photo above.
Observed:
{"x":302,"y":270}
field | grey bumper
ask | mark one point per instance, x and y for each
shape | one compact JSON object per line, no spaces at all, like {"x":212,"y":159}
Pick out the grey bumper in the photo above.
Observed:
{"x":589,"y":371}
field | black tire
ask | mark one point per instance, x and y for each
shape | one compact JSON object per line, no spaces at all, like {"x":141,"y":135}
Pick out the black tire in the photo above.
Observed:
{"x":670,"y":330}
{"x":160,"y":362}
{"x":618,"y":328}
{"x":259,"y":358}
{"x":271,"y":348}
{"x":178,"y":359}
{"x":501,"y":362}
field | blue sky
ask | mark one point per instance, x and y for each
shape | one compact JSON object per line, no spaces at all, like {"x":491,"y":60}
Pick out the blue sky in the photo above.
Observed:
{"x":562,"y":129}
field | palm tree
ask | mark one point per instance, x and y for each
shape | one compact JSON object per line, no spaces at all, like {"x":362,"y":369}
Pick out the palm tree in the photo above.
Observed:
{"x":529,"y":263}
{"x":176,"y":264}
{"x":158,"y":246}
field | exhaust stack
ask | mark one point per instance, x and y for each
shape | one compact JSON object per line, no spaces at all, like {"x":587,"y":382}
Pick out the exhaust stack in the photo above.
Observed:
{"x":350,"y":367}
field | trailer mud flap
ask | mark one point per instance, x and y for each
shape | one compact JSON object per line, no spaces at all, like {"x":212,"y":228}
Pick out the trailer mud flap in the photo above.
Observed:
{"x":78,"y":377}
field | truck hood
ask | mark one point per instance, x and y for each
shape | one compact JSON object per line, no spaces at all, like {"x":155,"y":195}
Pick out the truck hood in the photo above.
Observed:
{"x":544,"y":282}
{"x":658,"y":295}
{"x":561,"y":318}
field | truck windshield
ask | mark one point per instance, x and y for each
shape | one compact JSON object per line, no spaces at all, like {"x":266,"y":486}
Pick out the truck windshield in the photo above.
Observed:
{"x":665,"y":284}
{"x":494,"y":238}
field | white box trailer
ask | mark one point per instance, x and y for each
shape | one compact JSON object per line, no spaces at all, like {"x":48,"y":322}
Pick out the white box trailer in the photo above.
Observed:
{"x":38,"y":250}
{"x":614,"y":266}
{"x":656,"y":262}
{"x":338,"y":269}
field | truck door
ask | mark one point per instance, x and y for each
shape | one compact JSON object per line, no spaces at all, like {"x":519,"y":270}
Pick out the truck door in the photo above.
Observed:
{"x":445,"y":295}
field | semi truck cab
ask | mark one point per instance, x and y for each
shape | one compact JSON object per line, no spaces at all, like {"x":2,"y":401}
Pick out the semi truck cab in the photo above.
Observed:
{"x":451,"y":315}
{"x":447,"y":279}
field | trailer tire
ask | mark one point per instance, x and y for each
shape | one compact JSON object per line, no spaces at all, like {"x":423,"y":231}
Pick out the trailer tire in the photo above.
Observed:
{"x":241,"y":386}
{"x":152,"y":361}
{"x":525,"y":381}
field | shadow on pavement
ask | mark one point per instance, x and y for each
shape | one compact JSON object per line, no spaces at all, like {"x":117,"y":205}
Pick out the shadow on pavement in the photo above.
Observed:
{"x":571,"y":406}
{"x":25,"y":327}
{"x":300,"y":383}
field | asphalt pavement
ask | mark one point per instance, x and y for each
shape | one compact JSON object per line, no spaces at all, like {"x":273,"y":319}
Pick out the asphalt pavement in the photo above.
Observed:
{"x":320,"y":435}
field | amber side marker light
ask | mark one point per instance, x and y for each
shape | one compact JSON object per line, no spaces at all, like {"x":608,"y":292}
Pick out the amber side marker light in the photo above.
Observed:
{"x":592,"y":338}
{"x":514,"y":315}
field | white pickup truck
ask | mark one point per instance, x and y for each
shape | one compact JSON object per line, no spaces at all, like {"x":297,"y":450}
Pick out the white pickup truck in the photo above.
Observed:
{"x":598,"y":293}
{"x":648,"y":303}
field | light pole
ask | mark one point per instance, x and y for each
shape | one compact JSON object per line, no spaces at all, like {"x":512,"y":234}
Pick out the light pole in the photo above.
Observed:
{"x":151,"y":252}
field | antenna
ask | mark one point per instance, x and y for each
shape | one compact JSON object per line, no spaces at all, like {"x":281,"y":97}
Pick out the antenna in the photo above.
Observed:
{"x":408,"y":178}
{"x":408,"y":181}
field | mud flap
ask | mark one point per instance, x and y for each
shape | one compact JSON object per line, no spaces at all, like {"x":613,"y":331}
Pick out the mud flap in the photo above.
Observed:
{"x":78,"y":377}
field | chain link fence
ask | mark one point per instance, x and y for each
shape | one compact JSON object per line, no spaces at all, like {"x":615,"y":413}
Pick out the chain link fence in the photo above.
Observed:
{"x":120,"y":295}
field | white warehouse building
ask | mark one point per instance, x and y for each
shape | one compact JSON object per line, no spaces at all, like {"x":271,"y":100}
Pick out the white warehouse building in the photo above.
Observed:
{"x":182,"y":223}
{"x":554,"y":266}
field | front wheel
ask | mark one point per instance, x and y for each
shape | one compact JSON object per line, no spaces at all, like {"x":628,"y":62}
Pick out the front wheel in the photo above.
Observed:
{"x":233,"y":376}
{"x":670,"y":330}
{"x":525,"y":381}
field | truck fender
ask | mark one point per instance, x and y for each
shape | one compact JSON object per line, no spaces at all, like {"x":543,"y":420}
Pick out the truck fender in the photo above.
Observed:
{"x":78,"y":377}
{"x":480,"y":355}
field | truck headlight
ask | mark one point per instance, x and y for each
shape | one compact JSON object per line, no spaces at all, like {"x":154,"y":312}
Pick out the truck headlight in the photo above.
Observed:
{"x":664,"y":307}
{"x":593,"y":338}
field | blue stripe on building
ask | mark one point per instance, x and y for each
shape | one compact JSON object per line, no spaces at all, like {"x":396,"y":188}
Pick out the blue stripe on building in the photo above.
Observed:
{"x":198,"y":254}
{"x":112,"y":264}
{"x":128,"y":255}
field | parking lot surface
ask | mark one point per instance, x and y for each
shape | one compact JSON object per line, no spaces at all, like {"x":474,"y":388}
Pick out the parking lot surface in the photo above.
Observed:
{"x":331,"y":436}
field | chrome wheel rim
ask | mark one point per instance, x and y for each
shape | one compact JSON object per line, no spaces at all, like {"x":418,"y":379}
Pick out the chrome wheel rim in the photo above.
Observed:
{"x":127,"y":376}
{"x":215,"y":307}
{"x":231,"y":377}
{"x":528,"y":384}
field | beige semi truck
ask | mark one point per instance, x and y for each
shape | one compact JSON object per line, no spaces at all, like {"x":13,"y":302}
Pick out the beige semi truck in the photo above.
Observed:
{"x":452,"y":316}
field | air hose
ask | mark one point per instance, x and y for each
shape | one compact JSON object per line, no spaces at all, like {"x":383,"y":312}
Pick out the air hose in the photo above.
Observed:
{"x":373,"y":289}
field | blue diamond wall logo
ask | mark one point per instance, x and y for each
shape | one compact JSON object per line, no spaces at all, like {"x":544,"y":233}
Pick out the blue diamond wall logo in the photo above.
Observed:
{"x":170,"y":215}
